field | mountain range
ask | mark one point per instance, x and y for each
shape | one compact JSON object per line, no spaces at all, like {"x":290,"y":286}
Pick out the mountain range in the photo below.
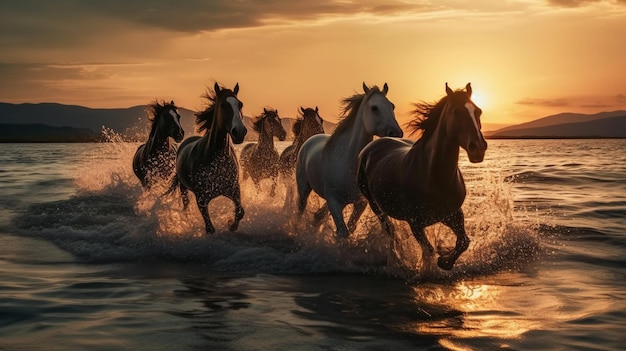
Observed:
{"x":568,"y":125}
{"x":52,"y":122}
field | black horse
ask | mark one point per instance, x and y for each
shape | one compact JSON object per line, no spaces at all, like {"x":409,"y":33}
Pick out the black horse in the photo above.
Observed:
{"x":208,"y":165}
{"x":155,"y":160}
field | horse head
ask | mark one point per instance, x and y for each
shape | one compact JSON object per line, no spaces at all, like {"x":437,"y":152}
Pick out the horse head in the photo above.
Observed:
{"x":273,"y":124}
{"x":165,"y":120}
{"x":171,"y":122}
{"x":377,"y":113}
{"x":313,"y":122}
{"x":230,"y":117}
{"x":464,"y":123}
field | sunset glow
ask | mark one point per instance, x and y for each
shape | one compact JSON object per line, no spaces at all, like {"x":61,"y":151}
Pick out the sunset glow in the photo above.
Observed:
{"x":525,"y":59}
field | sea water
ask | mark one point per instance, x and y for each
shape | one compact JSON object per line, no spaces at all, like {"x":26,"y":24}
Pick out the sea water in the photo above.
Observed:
{"x":91,"y":261}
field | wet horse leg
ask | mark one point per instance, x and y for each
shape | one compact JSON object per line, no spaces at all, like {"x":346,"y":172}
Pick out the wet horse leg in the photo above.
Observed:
{"x":336,"y":211}
{"x":357,"y":211}
{"x":420,"y":235}
{"x":239,"y":211}
{"x":304,"y":189}
{"x":203,"y":206}
{"x":456,"y":222}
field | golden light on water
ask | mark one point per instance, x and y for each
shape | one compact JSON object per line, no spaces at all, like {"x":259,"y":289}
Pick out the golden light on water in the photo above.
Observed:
{"x":476,"y":304}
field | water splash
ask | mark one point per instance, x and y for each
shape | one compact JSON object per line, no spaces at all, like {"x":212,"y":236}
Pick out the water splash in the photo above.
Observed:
{"x":112,"y":218}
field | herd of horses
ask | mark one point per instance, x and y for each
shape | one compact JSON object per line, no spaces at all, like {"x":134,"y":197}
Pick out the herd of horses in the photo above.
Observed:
{"x":414,"y":181}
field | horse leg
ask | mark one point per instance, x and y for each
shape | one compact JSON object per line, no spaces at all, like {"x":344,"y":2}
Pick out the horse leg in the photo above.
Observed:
{"x":336,"y":211}
{"x":357,"y":211}
{"x":239,"y":211}
{"x":420,"y":235}
{"x":274,"y":179}
{"x":456,"y":222}
{"x":203,"y":206}
{"x":304,"y":189}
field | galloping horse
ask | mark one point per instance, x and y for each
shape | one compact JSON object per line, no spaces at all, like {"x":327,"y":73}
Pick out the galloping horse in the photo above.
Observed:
{"x":155,"y":160}
{"x":309,"y":124}
{"x":208,"y":165}
{"x":260,"y":160}
{"x":420,"y":182}
{"x":327,"y":163}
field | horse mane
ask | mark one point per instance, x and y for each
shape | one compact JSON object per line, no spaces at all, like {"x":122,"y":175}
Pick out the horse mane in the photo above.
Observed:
{"x":257,"y":123}
{"x":156,"y":107}
{"x":205,"y":118}
{"x":350,"y":107}
{"x":297,"y":126}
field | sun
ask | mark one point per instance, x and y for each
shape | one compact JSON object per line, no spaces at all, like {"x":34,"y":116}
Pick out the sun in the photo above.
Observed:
{"x":480,"y":99}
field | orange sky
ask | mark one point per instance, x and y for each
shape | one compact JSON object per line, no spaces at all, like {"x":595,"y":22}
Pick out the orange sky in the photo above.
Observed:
{"x":525,"y":59}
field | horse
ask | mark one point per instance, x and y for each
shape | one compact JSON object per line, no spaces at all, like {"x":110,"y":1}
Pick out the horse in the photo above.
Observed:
{"x":307,"y":125}
{"x":155,"y":160}
{"x":208,"y":165}
{"x":420,"y":182}
{"x":260,"y":160}
{"x":327,"y":163}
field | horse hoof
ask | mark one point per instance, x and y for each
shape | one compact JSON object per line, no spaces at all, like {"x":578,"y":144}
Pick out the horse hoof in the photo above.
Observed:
{"x":444,"y":263}
{"x":232,"y":225}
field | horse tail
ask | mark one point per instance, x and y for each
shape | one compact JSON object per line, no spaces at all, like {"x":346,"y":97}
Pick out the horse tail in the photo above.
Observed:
{"x":184,"y":192}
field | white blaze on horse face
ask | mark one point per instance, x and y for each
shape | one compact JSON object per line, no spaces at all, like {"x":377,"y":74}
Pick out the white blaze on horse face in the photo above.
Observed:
{"x":471,"y":108}
{"x":319,"y":119}
{"x":174,"y":115}
{"x":237,"y":116}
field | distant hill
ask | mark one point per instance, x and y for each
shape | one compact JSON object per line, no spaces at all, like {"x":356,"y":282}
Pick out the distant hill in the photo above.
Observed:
{"x":569,"y":125}
{"x":28,"y":122}
{"x":42,"y":133}
{"x":131,"y":121}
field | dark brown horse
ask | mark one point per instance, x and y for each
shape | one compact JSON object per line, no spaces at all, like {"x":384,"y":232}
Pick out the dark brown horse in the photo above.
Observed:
{"x":260,"y":160}
{"x":208,"y":165}
{"x":308,"y":124}
{"x":420,"y":182}
{"x":155,"y":160}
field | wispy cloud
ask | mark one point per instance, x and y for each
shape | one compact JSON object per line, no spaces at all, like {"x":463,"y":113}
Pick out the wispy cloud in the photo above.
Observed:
{"x":579,"y":3}
{"x":544,"y":102}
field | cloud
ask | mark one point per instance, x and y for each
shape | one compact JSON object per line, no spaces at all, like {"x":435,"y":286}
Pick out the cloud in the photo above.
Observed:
{"x":580,"y":3}
{"x":544,"y":102}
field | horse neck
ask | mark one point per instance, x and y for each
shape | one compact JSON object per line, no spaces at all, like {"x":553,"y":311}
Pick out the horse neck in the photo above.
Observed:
{"x":438,"y":155}
{"x":266,"y":140}
{"x":353,"y":136}
{"x":215,"y":141}
{"x":157,"y":140}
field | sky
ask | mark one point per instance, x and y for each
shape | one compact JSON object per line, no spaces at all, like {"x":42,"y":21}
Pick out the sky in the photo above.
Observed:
{"x":526,"y":59}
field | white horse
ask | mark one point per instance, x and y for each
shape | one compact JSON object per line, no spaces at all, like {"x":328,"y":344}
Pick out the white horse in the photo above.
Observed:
{"x":327,"y":163}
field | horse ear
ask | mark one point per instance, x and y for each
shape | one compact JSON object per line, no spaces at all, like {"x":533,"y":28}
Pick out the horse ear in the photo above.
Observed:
{"x":302,"y":109}
{"x":316,"y":109}
{"x":172,"y":102}
{"x":264,"y":110}
{"x":216,"y":87}
{"x":468,"y":88}
{"x":276,"y":112}
{"x":365,"y":88}
{"x":448,"y":90}
{"x":236,"y":90}
{"x":385,"y":89}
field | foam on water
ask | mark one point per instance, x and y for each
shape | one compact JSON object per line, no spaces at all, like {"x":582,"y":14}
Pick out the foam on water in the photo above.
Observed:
{"x":111,"y":218}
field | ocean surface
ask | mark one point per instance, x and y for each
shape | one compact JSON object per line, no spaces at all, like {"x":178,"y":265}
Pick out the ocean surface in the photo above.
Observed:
{"x":90,"y":261}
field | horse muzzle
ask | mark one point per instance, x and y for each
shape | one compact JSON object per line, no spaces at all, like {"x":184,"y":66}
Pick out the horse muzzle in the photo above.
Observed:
{"x":238,"y":134}
{"x":179,"y":136}
{"x":476,"y":151}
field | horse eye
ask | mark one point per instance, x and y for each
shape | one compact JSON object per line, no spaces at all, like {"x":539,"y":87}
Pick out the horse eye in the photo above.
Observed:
{"x":374,"y":108}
